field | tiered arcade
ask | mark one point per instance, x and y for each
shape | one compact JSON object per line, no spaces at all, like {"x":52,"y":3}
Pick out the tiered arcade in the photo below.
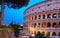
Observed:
{"x":43,"y":17}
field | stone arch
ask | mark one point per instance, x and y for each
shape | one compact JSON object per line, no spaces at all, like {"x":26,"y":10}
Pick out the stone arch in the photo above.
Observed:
{"x":59,"y":15}
{"x":54,"y":25}
{"x":48,"y":24}
{"x":54,"y":15}
{"x":53,"y":34}
{"x":43,"y":16}
{"x":48,"y":15}
{"x":38,"y":32}
{"x":35,"y":17}
{"x":43,"y":32}
{"x":59,"y":34}
{"x":43,"y":24}
{"x":35,"y":25}
{"x":34,"y":32}
{"x":48,"y":34}
{"x":59,"y":24}
{"x":39,"y":16}
{"x":38,"y":25}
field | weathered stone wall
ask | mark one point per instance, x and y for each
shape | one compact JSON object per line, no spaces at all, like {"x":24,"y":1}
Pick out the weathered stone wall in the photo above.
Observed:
{"x":43,"y":17}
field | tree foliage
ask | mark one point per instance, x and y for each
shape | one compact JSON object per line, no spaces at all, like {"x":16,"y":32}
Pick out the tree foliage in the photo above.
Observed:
{"x":40,"y":35}
{"x":16,"y":4}
{"x":15,"y":28}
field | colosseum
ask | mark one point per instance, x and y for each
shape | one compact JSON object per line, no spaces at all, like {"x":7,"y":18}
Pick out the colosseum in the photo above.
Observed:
{"x":43,"y":17}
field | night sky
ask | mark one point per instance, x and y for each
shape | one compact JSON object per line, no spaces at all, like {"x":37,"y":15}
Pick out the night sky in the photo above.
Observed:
{"x":15,"y":15}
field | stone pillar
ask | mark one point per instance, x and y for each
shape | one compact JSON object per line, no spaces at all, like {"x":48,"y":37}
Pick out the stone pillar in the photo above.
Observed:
{"x":46,"y":16}
{"x":41,"y":17}
{"x":34,"y":17}
{"x":51,"y":16}
{"x":57,"y":15}
{"x":57,"y":33}
{"x":37,"y":17}
{"x":50,"y":34}
{"x":31,"y":17}
{"x":41,"y":25}
{"x":51,"y":24}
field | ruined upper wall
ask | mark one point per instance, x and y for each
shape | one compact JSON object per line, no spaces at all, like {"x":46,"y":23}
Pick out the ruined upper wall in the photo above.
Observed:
{"x":43,"y":6}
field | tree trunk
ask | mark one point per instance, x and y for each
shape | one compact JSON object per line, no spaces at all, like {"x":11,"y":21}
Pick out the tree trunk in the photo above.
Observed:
{"x":2,"y":12}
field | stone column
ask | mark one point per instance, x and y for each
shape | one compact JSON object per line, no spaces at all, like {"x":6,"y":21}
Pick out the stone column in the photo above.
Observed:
{"x":41,"y":25}
{"x":34,"y":17}
{"x":57,"y":15}
{"x":45,"y":16}
{"x":57,"y":33}
{"x":37,"y":17}
{"x":51,"y":16}
{"x":41,"y":17}
{"x":51,"y":24}
{"x":50,"y":34}
{"x":36,"y":25}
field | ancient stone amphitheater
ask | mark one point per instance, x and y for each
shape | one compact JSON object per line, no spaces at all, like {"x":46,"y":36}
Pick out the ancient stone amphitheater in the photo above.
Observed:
{"x":43,"y":17}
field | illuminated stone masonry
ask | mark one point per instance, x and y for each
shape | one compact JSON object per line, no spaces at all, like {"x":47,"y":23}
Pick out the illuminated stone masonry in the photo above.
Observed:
{"x":43,"y":17}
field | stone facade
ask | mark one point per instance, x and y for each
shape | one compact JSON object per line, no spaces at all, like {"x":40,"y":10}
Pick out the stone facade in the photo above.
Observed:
{"x":43,"y":17}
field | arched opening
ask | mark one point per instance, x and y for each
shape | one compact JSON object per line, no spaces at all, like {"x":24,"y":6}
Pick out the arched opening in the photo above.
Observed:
{"x":43,"y":33}
{"x":54,"y":15}
{"x":31,"y":32}
{"x":59,"y":14}
{"x":49,"y":16}
{"x":38,"y":25}
{"x":48,"y":34}
{"x":43,"y":16}
{"x":34,"y":25}
{"x":35,"y":17}
{"x":32,"y":17}
{"x":44,"y":24}
{"x":38,"y":32}
{"x":53,"y":34}
{"x":34,"y":32}
{"x":59,"y":34}
{"x":48,"y":24}
{"x":59,"y":24}
{"x":54,"y":25}
{"x":39,"y":16}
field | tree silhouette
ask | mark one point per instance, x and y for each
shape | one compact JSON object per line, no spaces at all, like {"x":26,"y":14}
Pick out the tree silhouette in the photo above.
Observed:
{"x":15,"y":4}
{"x":40,"y":35}
{"x":15,"y":28}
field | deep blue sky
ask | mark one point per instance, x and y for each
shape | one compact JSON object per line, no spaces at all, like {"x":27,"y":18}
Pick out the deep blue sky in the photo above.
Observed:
{"x":17,"y":15}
